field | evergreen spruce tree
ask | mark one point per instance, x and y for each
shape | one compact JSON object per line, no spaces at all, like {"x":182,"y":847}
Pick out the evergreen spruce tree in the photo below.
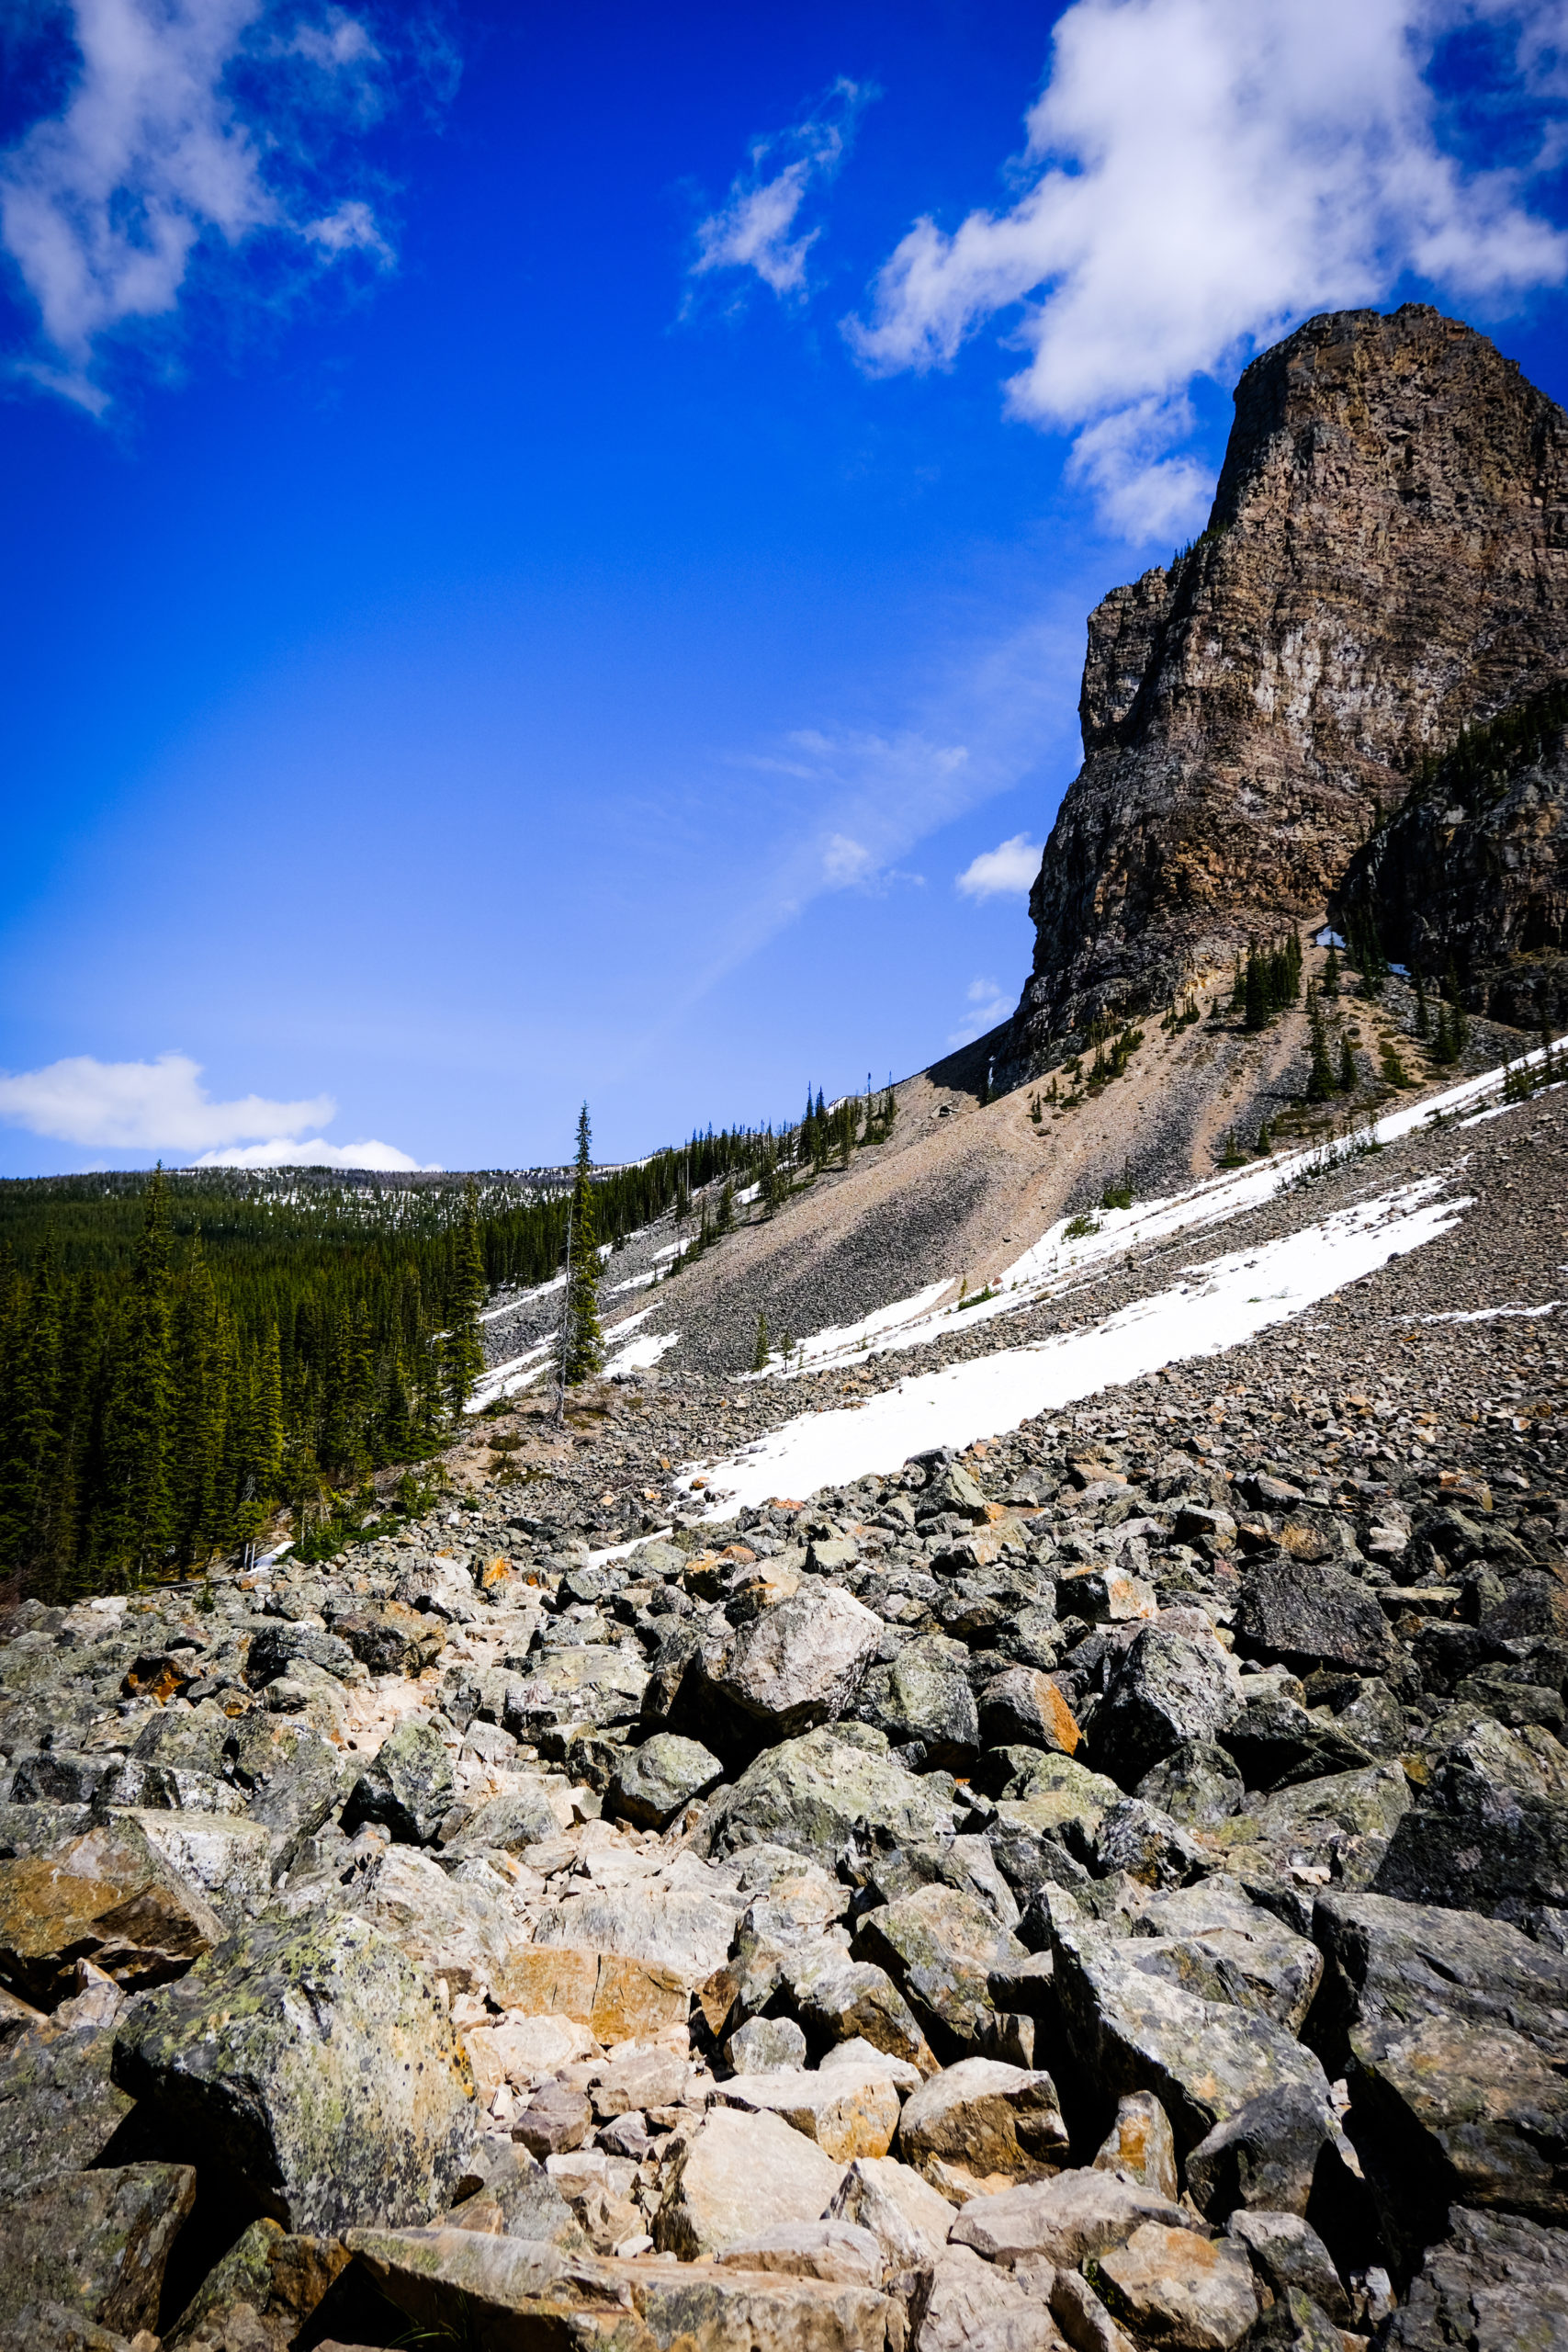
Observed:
{"x":1331,"y":973}
{"x":1444,"y":1051}
{"x":1347,"y":1067}
{"x":724,"y":1221}
{"x":584,"y":1349}
{"x":760,"y":1354}
{"x":1255,"y":992}
{"x":462,"y":1352}
{"x":137,"y":1433}
{"x":1320,"y":1076}
{"x":1423,"y":1018}
{"x":196,"y":1409}
{"x":30,"y":1462}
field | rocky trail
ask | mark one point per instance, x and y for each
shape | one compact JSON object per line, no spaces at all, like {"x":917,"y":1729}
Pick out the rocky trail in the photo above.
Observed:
{"x":1105,"y":1885}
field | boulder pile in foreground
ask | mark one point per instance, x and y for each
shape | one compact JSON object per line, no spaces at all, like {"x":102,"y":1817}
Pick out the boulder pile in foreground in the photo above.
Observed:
{"x":1075,"y":1895}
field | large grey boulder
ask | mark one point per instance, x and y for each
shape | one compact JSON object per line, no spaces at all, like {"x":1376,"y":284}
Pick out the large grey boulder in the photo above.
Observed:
{"x":1166,"y":1688}
{"x":94,"y":2243}
{"x":795,"y":1666}
{"x":261,"y":2292}
{"x":507,"y":2292}
{"x":924,"y":1695}
{"x":658,"y":1781}
{"x":940,"y":1946}
{"x":1214,"y":1940}
{"x":908,"y":2217}
{"x":1130,"y":2027}
{"x":276,"y":1648}
{"x":968,"y":2305}
{"x":289,"y":1776}
{"x":1173,"y":2287}
{"x":813,"y":1793}
{"x":59,"y":2105}
{"x":1493,"y":2284}
{"x":313,"y":2062}
{"x":1303,"y":1617}
{"x":1265,"y":2155}
{"x":408,"y":1788}
{"x":509,"y":1824}
{"x":838,"y":1999}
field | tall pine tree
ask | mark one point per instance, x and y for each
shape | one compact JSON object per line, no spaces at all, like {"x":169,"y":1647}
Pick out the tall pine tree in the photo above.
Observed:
{"x":463,"y":1355}
{"x":136,"y":1432}
{"x":584,"y":1349}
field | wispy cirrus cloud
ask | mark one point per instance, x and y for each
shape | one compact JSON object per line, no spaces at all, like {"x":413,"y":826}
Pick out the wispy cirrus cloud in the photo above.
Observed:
{"x":987,"y":1006}
{"x":161,"y":1105}
{"x":190,"y":130}
{"x":758,"y":227}
{"x":1198,"y":174}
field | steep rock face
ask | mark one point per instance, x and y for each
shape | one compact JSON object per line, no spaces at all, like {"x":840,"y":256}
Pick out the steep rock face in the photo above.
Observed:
{"x":1386,"y":562}
{"x":1468,"y":877}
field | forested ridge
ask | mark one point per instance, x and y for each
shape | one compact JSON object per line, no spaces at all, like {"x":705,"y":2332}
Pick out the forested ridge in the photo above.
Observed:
{"x":182,"y":1353}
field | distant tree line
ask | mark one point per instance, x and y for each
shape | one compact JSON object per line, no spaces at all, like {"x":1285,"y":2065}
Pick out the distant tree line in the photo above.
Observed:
{"x":181,"y":1355}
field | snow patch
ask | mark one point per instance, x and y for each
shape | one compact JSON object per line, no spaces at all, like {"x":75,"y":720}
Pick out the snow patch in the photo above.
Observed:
{"x":1219,"y":1305}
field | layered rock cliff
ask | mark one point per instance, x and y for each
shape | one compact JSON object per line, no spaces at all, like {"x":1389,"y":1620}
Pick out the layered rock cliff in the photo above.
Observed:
{"x":1468,"y":880}
{"x":1386,"y":563}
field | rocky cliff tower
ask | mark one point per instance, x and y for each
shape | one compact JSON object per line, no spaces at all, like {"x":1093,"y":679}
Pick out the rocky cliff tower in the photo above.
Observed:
{"x":1386,"y":561}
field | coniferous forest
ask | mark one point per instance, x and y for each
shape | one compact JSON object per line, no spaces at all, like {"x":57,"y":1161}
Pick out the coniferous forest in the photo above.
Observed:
{"x":182,"y":1354}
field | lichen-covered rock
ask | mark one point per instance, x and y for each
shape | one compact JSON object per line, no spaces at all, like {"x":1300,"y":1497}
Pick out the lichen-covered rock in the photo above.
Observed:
{"x":813,"y":1793}
{"x":795,"y":1666}
{"x":850,"y":2112}
{"x":1171,"y":2287}
{"x":939,"y":1947}
{"x":1063,"y":2221}
{"x":1305,"y":1617}
{"x":966,"y":2303}
{"x":96,"y":2242}
{"x":924,"y":1695}
{"x":1134,"y":2028}
{"x":1140,"y":2145}
{"x":105,"y":1897}
{"x":908,"y":2217}
{"x":313,"y":2063}
{"x":1494,"y":2283}
{"x":268,"y":2283}
{"x":408,"y":1788}
{"x":838,"y":1999}
{"x":658,"y":1779}
{"x":1024,"y":1705}
{"x":1168,"y":1688}
{"x":981,"y":2121}
{"x":59,"y":2105}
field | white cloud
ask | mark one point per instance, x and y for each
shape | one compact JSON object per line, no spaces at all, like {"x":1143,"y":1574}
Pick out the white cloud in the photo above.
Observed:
{"x":133,"y":1106}
{"x":310,"y":1151}
{"x":988,"y":1005}
{"x":104,"y":205}
{"x":756,"y":228}
{"x":1006,"y":872}
{"x":1199,"y":173}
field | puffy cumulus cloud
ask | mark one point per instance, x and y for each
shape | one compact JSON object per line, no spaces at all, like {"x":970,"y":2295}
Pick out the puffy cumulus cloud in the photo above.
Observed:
{"x":1006,"y":872}
{"x":310,"y":1151}
{"x":189,"y":124}
{"x":1199,"y":173}
{"x":134,"y":1106}
{"x":756,"y":228}
{"x":987,"y":1006}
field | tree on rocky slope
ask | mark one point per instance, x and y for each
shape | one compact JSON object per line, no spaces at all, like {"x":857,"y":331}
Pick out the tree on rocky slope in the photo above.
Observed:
{"x":583,"y":1348}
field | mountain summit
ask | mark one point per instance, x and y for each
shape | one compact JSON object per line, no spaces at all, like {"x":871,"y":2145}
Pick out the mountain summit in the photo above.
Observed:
{"x":1386,"y":564}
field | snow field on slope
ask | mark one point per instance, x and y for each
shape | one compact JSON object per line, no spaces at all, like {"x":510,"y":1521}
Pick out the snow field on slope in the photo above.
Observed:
{"x":1215,"y":1307}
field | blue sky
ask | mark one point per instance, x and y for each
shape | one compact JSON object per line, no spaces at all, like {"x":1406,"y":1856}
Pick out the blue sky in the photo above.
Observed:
{"x":548,"y":549}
